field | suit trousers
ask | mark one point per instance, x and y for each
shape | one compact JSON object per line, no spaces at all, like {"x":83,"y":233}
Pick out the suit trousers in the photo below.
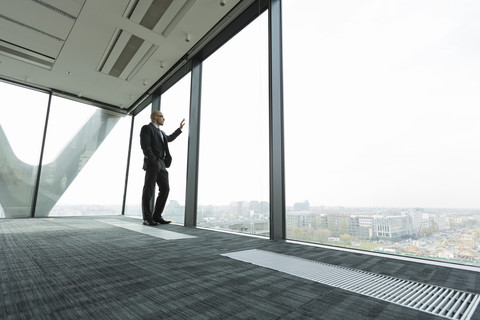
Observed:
{"x":155,"y":173}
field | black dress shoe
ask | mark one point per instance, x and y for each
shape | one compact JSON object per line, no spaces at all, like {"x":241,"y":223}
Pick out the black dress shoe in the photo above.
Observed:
{"x":149,"y":223}
{"x":162,"y":221}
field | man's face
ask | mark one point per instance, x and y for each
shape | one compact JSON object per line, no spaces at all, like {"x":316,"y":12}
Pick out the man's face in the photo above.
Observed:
{"x":159,"y":119}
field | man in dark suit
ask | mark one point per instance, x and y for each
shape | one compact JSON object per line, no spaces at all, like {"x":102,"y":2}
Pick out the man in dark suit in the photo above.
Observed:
{"x":156,"y":160}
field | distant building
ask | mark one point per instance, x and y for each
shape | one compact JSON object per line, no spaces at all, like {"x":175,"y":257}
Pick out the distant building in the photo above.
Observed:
{"x":301,"y":206}
{"x":417,"y":220}
{"x":393,"y":226}
{"x":442,"y":222}
{"x":174,"y":210}
{"x":253,"y":227}
{"x":361,"y":227}
{"x":259,"y":207}
{"x":240,"y":209}
{"x":299,"y":219}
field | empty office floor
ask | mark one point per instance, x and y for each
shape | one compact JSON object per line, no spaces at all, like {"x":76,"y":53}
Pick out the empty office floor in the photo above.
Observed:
{"x":115,"y":268}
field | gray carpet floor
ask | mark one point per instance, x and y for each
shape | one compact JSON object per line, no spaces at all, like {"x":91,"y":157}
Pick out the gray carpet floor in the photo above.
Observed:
{"x":83,"y":268}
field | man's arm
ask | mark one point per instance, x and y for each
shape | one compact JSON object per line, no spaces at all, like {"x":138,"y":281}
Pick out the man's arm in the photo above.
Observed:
{"x":177,"y":132}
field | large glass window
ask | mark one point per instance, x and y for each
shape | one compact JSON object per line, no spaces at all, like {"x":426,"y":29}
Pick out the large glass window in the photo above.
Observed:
{"x":21,"y":132}
{"x":233,"y":189}
{"x":381,"y":118}
{"x":136,"y":176}
{"x":84,"y":166}
{"x":175,"y":105}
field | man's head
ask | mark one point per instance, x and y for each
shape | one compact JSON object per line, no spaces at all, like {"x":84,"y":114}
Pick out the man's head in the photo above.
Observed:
{"x":157,"y":118}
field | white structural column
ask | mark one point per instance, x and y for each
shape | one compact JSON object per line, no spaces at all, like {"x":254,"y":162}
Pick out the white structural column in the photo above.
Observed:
{"x":277,"y":159}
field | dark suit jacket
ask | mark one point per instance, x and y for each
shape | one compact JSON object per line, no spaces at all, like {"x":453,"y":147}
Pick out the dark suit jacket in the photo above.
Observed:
{"x":153,"y":147}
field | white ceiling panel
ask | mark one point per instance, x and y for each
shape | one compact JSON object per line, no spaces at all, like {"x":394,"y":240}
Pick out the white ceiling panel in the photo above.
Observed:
{"x":119,"y":44}
{"x":89,"y":59}
{"x":34,"y":16}
{"x":136,"y":63}
{"x":140,"y":7}
{"x":72,"y":7}
{"x":32,"y":40}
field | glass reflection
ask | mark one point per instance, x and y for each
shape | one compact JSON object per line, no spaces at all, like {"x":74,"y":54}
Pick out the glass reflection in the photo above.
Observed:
{"x":58,"y":174}
{"x":20,"y":144}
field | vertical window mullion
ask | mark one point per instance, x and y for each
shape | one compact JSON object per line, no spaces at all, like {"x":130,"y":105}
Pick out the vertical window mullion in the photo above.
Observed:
{"x":193,"y":146}
{"x":277,"y":159}
{"x":40,"y":160}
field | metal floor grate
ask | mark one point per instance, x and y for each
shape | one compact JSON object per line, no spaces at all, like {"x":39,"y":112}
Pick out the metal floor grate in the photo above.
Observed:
{"x":440,"y":301}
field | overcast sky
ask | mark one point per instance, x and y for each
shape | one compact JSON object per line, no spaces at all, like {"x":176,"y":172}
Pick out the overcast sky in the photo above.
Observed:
{"x":381,"y":107}
{"x":384,"y":108}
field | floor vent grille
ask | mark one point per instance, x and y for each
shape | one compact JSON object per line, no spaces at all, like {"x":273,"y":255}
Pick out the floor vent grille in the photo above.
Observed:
{"x":440,"y":301}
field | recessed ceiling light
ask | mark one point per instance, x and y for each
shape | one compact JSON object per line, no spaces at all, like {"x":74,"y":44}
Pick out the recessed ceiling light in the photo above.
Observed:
{"x":69,"y":73}
{"x":222,"y":3}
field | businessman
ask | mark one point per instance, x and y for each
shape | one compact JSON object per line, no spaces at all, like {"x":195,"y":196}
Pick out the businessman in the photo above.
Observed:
{"x":156,"y":160}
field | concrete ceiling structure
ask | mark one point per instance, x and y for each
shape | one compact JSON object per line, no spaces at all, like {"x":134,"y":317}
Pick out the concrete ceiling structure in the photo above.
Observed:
{"x":110,"y":53}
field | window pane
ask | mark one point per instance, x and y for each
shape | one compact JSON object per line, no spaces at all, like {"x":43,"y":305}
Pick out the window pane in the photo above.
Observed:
{"x":22,"y":123}
{"x":233,"y":189}
{"x":175,"y":105}
{"x":381,"y":126}
{"x":85,"y":161}
{"x":136,"y":176}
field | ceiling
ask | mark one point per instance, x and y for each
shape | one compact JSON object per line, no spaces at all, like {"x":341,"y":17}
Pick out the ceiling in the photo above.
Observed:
{"x":108,"y":52}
